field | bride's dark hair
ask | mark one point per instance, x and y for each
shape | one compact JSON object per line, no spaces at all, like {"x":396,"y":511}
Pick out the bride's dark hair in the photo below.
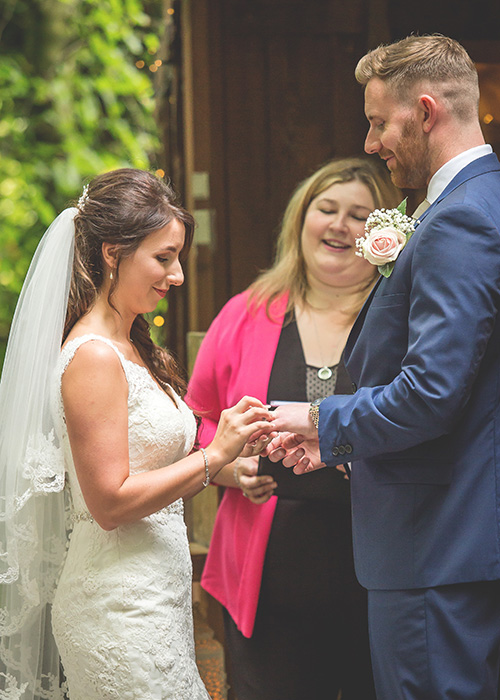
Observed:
{"x":123,"y":207}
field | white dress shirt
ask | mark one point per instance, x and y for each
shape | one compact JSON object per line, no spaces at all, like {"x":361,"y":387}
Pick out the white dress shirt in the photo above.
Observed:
{"x":442,"y":177}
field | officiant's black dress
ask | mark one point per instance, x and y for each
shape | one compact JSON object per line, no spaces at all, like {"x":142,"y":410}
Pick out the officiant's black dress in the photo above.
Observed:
{"x":311,"y":633}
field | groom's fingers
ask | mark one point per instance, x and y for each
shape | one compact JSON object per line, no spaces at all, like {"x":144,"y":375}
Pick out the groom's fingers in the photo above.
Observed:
{"x":273,"y":447}
{"x":304,"y":466}
{"x":275,"y":455}
{"x":283,"y":447}
{"x":292,"y":440}
{"x":293,"y":458}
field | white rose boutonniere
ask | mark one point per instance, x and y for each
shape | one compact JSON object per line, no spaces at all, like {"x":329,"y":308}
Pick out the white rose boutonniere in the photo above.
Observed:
{"x":387,"y":231}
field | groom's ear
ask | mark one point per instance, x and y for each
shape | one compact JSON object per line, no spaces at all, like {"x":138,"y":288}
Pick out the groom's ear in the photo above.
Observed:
{"x":110,"y":255}
{"x":428,"y":111}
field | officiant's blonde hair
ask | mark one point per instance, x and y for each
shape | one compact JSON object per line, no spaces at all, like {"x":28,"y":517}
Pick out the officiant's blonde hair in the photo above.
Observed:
{"x":288,"y":273}
{"x":432,"y":58}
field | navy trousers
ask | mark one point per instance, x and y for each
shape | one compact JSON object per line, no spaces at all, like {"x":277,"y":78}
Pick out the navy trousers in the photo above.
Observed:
{"x":438,"y":643}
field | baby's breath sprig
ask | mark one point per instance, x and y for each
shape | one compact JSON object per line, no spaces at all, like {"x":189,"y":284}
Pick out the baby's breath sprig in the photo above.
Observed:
{"x":391,"y":218}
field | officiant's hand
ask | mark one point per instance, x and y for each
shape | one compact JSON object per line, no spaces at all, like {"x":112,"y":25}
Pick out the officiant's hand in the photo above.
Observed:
{"x":257,"y":489}
{"x":295,"y":451}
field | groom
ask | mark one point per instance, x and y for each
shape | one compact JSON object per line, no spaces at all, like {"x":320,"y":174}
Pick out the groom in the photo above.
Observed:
{"x":422,"y":431}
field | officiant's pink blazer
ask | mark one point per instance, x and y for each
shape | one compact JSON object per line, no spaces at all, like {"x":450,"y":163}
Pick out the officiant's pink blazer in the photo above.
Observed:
{"x":235,"y":359}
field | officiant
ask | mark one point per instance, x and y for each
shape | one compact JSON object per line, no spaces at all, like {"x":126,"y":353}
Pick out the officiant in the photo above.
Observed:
{"x":280,"y":560}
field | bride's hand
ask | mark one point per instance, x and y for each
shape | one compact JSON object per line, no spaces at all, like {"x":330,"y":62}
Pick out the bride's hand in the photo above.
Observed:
{"x":248,"y":420}
{"x":254,"y":447}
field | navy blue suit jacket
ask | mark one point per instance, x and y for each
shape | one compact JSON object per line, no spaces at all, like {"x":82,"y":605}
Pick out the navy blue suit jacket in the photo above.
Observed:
{"x":423,"y":427}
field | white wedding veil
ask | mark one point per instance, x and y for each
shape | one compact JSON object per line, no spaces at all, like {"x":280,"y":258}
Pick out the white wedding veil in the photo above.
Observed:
{"x":33,"y":535}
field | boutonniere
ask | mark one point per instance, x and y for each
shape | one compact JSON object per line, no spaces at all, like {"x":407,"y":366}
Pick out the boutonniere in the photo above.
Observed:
{"x":387,"y":231}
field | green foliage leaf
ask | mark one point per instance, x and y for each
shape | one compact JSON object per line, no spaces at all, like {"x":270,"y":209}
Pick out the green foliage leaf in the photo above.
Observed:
{"x":72,"y":104}
{"x":402,"y":206}
{"x":386,"y":270}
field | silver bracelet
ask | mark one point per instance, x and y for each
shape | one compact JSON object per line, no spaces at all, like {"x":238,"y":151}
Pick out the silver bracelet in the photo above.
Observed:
{"x":207,"y":473}
{"x":235,"y":474}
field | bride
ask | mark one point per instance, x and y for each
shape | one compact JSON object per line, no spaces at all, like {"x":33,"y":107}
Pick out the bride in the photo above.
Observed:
{"x":96,"y":454}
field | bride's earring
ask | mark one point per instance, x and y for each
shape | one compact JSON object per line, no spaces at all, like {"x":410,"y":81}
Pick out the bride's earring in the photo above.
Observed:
{"x":111,"y":275}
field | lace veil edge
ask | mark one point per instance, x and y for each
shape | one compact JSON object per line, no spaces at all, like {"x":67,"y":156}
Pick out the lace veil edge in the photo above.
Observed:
{"x":33,"y":535}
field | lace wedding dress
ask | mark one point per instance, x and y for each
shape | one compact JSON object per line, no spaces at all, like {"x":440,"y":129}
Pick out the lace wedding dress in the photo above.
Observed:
{"x":122,"y":614}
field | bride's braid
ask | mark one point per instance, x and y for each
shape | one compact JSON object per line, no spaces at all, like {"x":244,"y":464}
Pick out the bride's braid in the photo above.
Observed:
{"x":123,"y":207}
{"x":161,"y":363}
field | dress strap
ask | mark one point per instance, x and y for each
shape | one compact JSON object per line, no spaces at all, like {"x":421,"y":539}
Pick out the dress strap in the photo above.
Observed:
{"x":69,"y":350}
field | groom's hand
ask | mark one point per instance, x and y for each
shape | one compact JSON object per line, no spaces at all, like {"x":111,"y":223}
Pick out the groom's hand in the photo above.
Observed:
{"x":296,"y":451}
{"x":294,"y":418}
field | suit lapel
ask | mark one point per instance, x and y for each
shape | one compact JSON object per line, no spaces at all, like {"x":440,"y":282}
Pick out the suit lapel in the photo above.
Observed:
{"x":358,"y":323}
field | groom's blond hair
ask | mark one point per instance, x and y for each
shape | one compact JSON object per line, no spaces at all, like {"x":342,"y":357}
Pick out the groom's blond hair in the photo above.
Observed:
{"x":433,"y":60}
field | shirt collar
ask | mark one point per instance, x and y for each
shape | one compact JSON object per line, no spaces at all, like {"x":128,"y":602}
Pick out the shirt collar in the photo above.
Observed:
{"x":442,"y":178}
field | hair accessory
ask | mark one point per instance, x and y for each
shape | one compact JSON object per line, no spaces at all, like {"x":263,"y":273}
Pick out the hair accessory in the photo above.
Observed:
{"x":83,"y":197}
{"x":207,"y":473}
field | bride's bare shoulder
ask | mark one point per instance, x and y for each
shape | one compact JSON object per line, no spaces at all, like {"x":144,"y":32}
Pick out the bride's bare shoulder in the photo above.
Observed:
{"x":94,"y":360}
